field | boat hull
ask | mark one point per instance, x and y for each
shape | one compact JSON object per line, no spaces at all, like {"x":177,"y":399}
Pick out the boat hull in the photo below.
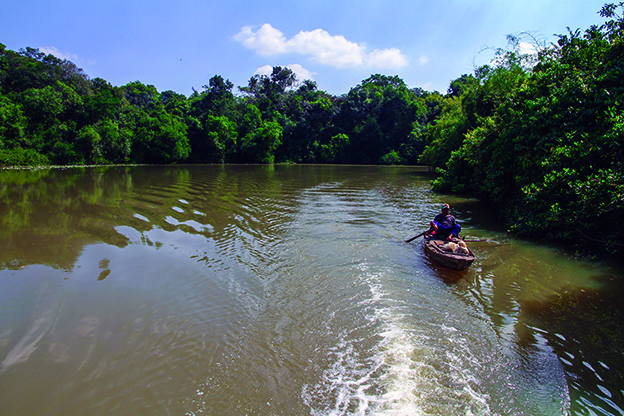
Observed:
{"x":447,"y":259}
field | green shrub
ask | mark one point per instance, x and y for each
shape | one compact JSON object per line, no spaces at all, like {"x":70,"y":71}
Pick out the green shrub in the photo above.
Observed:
{"x":22,"y":157}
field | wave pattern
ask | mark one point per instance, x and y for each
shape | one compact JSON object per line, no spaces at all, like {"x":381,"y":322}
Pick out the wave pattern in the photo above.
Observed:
{"x":263,"y":290}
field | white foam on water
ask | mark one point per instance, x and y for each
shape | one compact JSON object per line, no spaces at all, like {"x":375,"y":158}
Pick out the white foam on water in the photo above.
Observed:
{"x":404,"y":373}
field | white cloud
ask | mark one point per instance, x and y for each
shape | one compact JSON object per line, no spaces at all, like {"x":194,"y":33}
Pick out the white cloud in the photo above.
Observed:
{"x":266,"y":41}
{"x":386,"y":58}
{"x":423,"y":60}
{"x":327,"y":49}
{"x":301,"y":72}
{"x":51,"y":50}
{"x":320,"y":46}
{"x":264,"y":70}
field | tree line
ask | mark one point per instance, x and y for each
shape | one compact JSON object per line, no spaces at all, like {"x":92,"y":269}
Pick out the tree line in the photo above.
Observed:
{"x":538,"y":135}
{"x":51,"y":112}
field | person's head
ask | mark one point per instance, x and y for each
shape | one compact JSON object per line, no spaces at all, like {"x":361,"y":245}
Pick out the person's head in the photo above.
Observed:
{"x":446,"y":209}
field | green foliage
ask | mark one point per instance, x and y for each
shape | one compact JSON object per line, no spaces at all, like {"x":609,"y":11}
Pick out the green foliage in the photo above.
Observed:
{"x":260,"y":144}
{"x":13,"y":123}
{"x":22,"y":157}
{"x":447,"y":134}
{"x":217,"y":99}
{"x":380,"y":116}
{"x":221,"y":138}
{"x":333,"y":151}
{"x":392,"y":158}
{"x":461,"y":85}
{"x":547,"y":147}
{"x":43,"y":105}
{"x":89,"y":143}
{"x":51,"y":106}
{"x":306,"y":119}
{"x":115,"y":143}
{"x":268,"y":92}
{"x":167,"y":142}
{"x":105,"y":102}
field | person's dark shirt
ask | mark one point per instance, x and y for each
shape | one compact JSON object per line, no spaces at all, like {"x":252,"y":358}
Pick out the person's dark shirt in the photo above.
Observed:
{"x":447,"y":221}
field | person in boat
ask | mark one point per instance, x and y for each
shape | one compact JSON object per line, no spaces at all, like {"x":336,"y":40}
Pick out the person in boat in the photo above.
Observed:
{"x":444,"y":225}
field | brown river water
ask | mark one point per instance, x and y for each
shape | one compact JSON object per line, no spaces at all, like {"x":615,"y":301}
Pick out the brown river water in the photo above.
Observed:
{"x":287,"y":290}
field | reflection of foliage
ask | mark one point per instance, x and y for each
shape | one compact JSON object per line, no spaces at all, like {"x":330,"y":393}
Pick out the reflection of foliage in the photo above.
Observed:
{"x":48,"y":216}
{"x":21,"y":177}
{"x":44,"y":215}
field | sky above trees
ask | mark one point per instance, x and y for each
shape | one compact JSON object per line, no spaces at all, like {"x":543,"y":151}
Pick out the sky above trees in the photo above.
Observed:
{"x":179,"y":45}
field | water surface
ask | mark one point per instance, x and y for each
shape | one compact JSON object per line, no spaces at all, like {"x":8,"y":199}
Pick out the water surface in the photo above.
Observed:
{"x":267,"y":290}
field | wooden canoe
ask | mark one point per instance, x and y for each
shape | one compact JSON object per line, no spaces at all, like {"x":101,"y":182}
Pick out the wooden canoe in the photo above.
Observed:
{"x":447,"y":259}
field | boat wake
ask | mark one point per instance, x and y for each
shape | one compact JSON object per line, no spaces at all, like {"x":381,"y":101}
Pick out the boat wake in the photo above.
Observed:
{"x":401,"y":373}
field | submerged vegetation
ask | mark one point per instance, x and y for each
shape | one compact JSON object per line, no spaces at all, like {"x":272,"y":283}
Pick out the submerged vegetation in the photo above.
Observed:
{"x":538,"y":135}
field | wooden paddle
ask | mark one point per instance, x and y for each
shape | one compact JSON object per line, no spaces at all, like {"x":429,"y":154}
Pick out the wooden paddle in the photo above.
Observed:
{"x":414,"y":238}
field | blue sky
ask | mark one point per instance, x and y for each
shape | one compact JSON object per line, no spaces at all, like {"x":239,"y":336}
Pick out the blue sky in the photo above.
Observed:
{"x":180,"y":44}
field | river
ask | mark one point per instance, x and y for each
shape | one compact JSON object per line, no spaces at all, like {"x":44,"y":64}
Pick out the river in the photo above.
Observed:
{"x":287,"y":290}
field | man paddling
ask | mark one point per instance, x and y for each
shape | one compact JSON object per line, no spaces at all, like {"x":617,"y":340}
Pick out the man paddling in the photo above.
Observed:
{"x":444,"y":225}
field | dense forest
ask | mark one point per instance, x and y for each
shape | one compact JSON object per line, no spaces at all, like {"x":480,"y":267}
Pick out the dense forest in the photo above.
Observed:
{"x":537,"y":135}
{"x":51,"y":112}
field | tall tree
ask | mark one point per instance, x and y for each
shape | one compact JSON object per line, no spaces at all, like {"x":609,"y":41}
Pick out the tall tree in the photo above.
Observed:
{"x":267,"y":92}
